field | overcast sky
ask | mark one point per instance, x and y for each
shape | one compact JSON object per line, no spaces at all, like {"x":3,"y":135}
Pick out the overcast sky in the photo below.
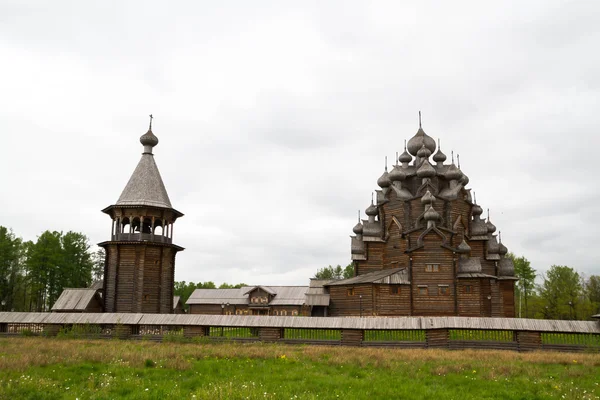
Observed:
{"x":274,"y":119}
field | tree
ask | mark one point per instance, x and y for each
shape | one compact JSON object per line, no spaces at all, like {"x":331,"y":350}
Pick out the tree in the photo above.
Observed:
{"x":225,"y":285}
{"x":338,"y":272}
{"x":43,"y":259}
{"x":10,"y":268}
{"x":592,"y":289}
{"x":561,"y":292}
{"x":77,"y":264}
{"x":526,"y":285}
{"x":98,"y":261}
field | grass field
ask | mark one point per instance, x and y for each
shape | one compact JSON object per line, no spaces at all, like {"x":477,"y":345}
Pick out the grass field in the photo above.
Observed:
{"x":42,"y":368}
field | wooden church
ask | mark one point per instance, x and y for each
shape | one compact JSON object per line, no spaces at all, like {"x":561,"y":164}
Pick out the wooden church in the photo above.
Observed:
{"x":139,"y":270}
{"x":425,"y":249}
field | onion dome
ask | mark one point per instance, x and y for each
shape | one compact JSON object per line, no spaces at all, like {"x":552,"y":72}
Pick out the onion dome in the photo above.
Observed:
{"x":492,"y":246}
{"x":405,"y":157}
{"x":465,"y":179}
{"x":384,"y":179}
{"x":148,"y":140}
{"x":424,"y":152}
{"x":431,"y":214}
{"x":502,"y":250}
{"x":358,"y":228}
{"x":371,"y":211}
{"x":426,"y":170}
{"x":397,"y":174}
{"x":453,"y":173}
{"x":419,"y":140}
{"x":427,"y":198}
{"x":439,"y":157}
{"x":476,"y":210}
{"x":491,"y":228}
{"x":463,"y":247}
{"x":506,"y":267}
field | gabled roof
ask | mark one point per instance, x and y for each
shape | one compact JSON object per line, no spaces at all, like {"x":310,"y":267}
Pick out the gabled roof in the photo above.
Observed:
{"x":74,"y":299}
{"x":176,"y":300}
{"x":284,"y":295}
{"x":145,"y":187}
{"x":266,"y":289}
{"x":97,"y":285}
{"x":386,"y":276}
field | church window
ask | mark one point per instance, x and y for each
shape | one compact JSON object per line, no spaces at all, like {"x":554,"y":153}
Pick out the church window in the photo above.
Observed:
{"x":294,"y":312}
{"x":395,"y":289}
{"x":468,"y":288}
{"x":283,"y":312}
{"x":238,"y":312}
{"x":443,"y":289}
{"x":350,"y":292}
{"x":275,"y":312}
{"x":423,"y":290}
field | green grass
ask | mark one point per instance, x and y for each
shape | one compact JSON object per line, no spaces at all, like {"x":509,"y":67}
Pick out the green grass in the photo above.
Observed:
{"x":45,"y":368}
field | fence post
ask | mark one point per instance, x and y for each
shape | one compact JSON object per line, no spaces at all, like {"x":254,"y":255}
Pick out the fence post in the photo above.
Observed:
{"x":529,"y":341}
{"x":352,"y":337}
{"x":194,"y":330}
{"x":122,"y":331}
{"x":270,"y":334}
{"x":437,"y":338}
{"x":52,"y":329}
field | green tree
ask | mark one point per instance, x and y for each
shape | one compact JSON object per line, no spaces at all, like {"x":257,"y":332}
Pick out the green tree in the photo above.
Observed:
{"x":11,"y":281}
{"x":592,"y":290}
{"x":225,"y":285}
{"x":77,"y":264}
{"x":336,"y":272}
{"x":98,"y":261}
{"x":43,"y":260}
{"x":526,"y":285}
{"x":561,"y":291}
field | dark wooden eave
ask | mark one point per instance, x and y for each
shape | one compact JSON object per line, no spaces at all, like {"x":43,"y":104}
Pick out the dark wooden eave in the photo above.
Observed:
{"x":141,"y":243}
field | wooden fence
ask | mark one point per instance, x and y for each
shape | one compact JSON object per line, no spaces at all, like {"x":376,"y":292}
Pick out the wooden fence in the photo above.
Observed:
{"x":404,"y":332}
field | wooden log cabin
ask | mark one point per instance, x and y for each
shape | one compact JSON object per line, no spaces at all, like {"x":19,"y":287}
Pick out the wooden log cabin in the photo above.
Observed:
{"x":140,"y":256}
{"x":424,"y":249}
{"x":251,"y":300}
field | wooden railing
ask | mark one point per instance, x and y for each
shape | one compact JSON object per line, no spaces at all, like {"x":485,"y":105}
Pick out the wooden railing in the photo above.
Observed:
{"x":403,"y":332}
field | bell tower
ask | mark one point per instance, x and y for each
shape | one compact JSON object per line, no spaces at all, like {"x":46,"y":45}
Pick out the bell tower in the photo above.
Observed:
{"x":139,"y":270}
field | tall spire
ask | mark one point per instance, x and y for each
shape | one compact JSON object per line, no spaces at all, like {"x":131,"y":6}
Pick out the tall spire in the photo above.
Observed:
{"x":145,"y":186}
{"x":419,"y":118}
{"x":458,"y":160}
{"x":150,"y":127}
{"x":385,"y":163}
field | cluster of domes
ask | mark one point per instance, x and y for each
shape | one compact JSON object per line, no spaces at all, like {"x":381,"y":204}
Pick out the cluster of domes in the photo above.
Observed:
{"x":412,"y":176}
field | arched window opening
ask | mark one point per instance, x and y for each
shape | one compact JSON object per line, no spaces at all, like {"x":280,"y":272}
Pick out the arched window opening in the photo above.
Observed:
{"x":136,"y":225}
{"x":158,"y":228}
{"x":147,"y":225}
{"x":125,"y":225}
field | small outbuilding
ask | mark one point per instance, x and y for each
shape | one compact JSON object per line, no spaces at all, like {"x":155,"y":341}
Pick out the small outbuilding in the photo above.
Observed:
{"x":82,"y":300}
